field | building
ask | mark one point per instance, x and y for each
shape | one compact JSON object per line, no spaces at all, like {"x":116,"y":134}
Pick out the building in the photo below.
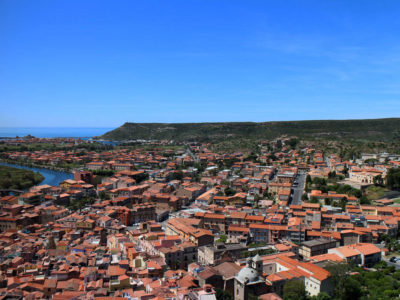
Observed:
{"x":316,"y":247}
{"x":364,"y":254}
{"x":209,"y":255}
{"x":249,"y":280}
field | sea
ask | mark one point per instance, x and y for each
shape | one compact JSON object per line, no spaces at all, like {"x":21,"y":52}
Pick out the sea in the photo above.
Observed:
{"x":53,"y":132}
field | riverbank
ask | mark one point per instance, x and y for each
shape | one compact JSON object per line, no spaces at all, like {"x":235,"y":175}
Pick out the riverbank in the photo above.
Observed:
{"x":51,"y":177}
{"x":18,"y":179}
{"x":40,"y":166}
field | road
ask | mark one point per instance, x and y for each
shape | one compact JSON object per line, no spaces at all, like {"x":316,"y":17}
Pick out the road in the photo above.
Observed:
{"x":397,"y":266}
{"x":298,"y":191}
{"x":188,"y":151}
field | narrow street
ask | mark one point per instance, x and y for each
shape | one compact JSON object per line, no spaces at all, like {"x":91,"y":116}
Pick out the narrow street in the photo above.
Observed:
{"x":298,"y":189}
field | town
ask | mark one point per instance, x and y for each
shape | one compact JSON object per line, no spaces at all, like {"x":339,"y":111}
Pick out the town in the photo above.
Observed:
{"x":164,"y":220}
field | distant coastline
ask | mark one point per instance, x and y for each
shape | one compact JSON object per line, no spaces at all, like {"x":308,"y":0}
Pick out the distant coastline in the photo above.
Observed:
{"x":53,"y":132}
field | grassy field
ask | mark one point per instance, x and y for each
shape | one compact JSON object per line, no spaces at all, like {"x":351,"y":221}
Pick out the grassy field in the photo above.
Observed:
{"x":375,"y":192}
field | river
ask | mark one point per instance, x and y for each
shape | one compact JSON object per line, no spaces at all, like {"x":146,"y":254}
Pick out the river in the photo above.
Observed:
{"x":51,"y":177}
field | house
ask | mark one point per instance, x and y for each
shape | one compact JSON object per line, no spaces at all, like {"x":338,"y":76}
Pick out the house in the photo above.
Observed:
{"x":281,"y":268}
{"x":364,"y":254}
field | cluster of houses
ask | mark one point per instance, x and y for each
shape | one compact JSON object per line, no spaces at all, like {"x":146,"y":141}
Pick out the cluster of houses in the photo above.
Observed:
{"x":183,"y":224}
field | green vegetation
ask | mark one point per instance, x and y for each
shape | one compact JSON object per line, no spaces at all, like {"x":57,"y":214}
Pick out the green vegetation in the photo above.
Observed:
{"x":103,"y":172}
{"x":373,"y":130}
{"x":393,"y":179}
{"x":294,"y":290}
{"x":178,"y":175}
{"x":141,"y":177}
{"x":255,"y":245}
{"x":352,"y":148}
{"x":229,"y":192}
{"x":222,"y":294}
{"x":259,"y":252}
{"x":54,"y":147}
{"x":351,"y":282}
{"x":68,"y":166}
{"x":229,"y":144}
{"x":322,"y":184}
{"x":222,"y":238}
{"x":78,"y":204}
{"x":18,"y":179}
{"x":381,"y":284}
{"x":375,"y":192}
{"x":392,"y":243}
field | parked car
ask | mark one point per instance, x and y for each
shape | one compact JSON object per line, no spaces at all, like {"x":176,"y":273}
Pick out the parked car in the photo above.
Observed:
{"x":393,"y":259}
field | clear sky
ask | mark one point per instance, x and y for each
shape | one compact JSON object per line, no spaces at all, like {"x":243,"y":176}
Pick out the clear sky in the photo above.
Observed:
{"x":102,"y":63}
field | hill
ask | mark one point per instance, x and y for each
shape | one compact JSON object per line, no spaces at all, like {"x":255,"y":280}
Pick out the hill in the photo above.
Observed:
{"x":369,"y":129}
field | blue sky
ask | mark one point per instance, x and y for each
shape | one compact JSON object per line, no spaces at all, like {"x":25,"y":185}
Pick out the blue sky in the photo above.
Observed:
{"x":101,"y":63}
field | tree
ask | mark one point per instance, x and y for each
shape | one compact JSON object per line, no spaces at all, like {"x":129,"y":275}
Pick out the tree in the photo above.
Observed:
{"x":278,"y":144}
{"x":343,"y":203}
{"x":364,"y":200}
{"x":332,"y":175}
{"x":141,"y":177}
{"x":222,"y":238}
{"x":352,"y":289}
{"x":252,"y":157}
{"x":393,"y":179}
{"x":378,"y":180}
{"x":314,"y":200}
{"x":273,"y":157}
{"x":371,"y":161}
{"x":304,"y":197}
{"x":251,"y":296}
{"x":321,"y":296}
{"x":225,"y":182}
{"x":102,"y":195}
{"x":338,"y":276}
{"x":177,"y":175}
{"x":222,"y":294}
{"x":292,"y":143}
{"x":294,"y":290}
{"x":229,"y":192}
{"x":345,"y":170}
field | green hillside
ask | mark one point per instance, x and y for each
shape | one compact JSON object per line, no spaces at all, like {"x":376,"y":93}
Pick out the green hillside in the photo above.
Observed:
{"x":372,"y":129}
